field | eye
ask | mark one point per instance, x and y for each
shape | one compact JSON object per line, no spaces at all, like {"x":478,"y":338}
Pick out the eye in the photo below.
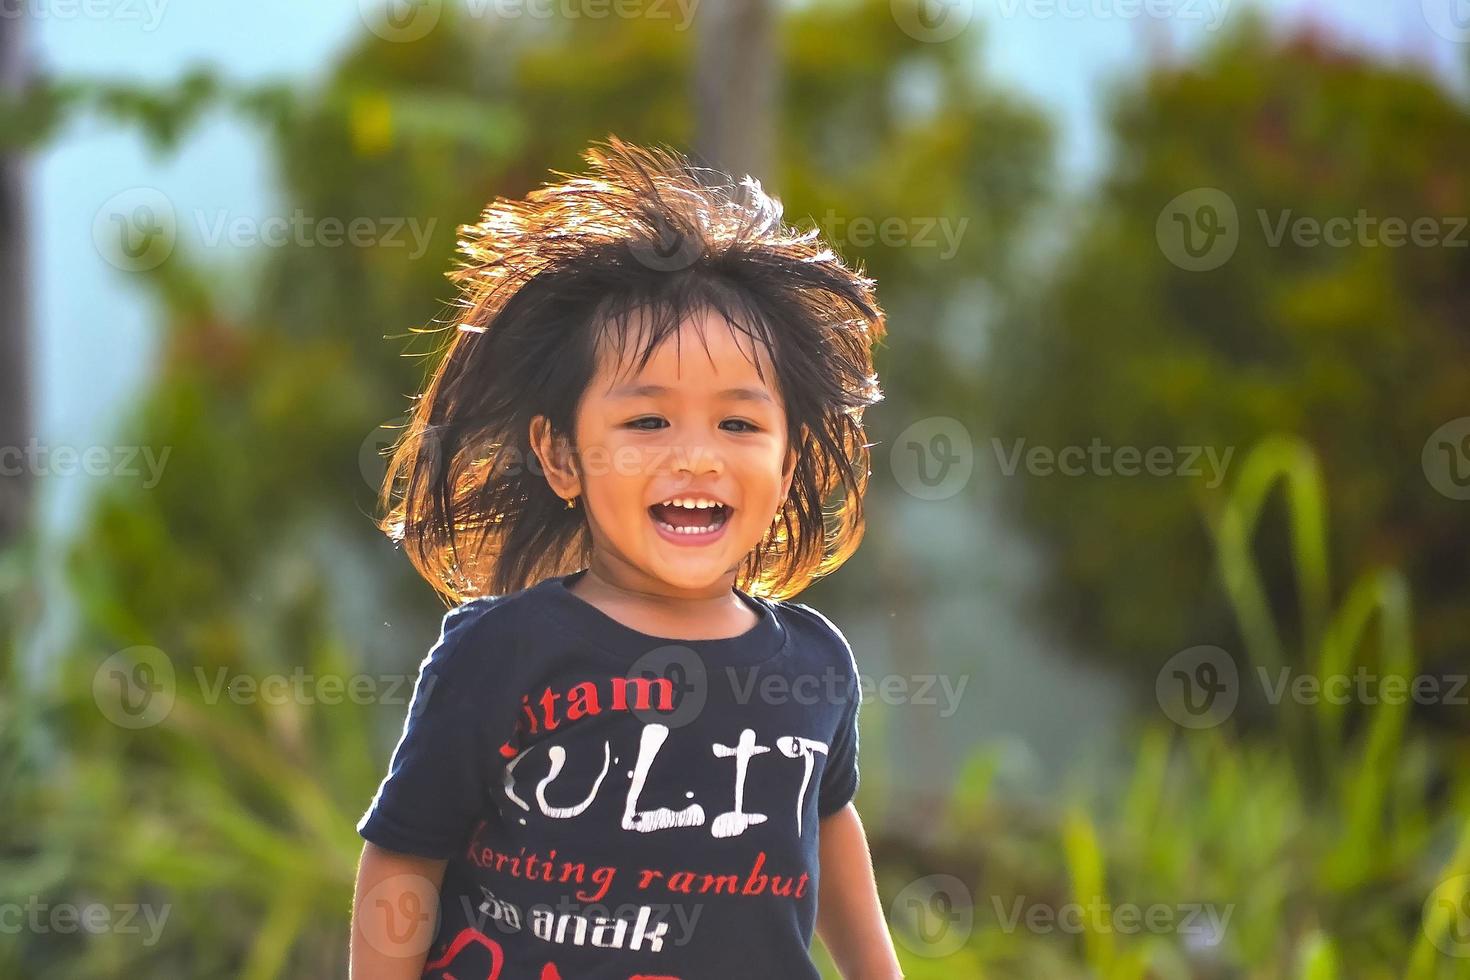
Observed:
{"x":639,"y":423}
{"x":749,"y":426}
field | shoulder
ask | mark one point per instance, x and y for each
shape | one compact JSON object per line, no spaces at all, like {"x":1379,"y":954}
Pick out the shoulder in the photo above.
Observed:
{"x":476,"y":614}
{"x":480,"y":633}
{"x":810,"y":626}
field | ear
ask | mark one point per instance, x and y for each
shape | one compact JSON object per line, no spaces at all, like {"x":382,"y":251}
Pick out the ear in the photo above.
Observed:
{"x":558,"y":461}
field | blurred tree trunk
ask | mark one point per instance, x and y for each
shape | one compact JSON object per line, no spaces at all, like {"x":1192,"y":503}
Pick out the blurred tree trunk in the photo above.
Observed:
{"x":735,"y":86}
{"x":15,"y":416}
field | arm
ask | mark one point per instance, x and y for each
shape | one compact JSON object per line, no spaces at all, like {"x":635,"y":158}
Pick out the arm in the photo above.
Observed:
{"x":393,"y":914}
{"x":849,"y":917}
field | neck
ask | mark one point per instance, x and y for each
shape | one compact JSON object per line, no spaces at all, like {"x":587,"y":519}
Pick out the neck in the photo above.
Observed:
{"x":613,"y":576}
{"x":654,"y":606}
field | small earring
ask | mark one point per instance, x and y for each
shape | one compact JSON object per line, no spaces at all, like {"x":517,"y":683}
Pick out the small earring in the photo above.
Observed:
{"x":571,"y":503}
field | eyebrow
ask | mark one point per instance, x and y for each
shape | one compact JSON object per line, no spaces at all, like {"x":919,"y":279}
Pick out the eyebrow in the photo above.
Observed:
{"x":653,"y":391}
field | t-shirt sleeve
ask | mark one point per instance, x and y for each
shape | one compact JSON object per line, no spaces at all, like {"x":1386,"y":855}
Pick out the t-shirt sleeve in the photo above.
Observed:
{"x":440,"y":776}
{"x":840,"y":778}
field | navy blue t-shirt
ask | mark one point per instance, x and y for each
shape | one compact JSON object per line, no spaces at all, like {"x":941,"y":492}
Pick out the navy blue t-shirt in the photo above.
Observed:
{"x":618,"y":806}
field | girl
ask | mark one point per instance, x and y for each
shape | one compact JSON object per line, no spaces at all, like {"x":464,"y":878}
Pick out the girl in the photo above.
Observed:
{"x":627,"y":756}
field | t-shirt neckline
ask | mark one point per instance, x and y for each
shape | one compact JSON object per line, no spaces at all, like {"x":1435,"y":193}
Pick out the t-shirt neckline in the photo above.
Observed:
{"x":761,"y":642}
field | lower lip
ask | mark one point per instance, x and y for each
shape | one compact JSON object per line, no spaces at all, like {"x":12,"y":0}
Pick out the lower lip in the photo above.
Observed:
{"x":690,"y":540}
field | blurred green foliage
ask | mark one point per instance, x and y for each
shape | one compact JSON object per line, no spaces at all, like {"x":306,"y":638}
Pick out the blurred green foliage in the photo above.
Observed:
{"x":1360,"y":350}
{"x":1318,"y":860}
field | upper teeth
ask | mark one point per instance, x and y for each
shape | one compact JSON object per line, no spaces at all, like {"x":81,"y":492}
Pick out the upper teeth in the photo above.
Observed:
{"x":691,"y":502}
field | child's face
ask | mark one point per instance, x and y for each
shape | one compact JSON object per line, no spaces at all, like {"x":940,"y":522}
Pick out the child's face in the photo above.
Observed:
{"x":691,"y":426}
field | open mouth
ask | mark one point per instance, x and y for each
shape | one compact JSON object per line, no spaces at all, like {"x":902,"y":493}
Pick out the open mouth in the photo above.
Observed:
{"x":690,"y":516}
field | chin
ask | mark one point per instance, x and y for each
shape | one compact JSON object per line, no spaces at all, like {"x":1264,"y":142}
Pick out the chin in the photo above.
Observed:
{"x":691,"y":575}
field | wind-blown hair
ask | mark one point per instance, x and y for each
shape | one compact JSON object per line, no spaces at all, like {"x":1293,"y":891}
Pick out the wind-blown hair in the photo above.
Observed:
{"x":544,"y":282}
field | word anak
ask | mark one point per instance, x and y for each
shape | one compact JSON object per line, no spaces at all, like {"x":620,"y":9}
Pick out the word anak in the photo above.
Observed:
{"x":611,"y":931}
{"x":731,"y":823}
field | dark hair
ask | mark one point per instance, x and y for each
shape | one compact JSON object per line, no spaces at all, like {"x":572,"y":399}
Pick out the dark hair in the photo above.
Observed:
{"x":543,"y":280}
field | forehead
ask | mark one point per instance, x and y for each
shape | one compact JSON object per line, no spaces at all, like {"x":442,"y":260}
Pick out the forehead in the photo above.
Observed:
{"x":700,"y":348}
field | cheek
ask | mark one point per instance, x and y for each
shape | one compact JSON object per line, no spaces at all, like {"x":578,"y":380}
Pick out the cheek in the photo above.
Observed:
{"x":631,"y":461}
{"x":617,"y":470}
{"x":761,"y":466}
{"x":760,"y":457}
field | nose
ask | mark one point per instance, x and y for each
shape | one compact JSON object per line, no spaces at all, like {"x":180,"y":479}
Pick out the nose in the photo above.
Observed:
{"x":697,"y":460}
